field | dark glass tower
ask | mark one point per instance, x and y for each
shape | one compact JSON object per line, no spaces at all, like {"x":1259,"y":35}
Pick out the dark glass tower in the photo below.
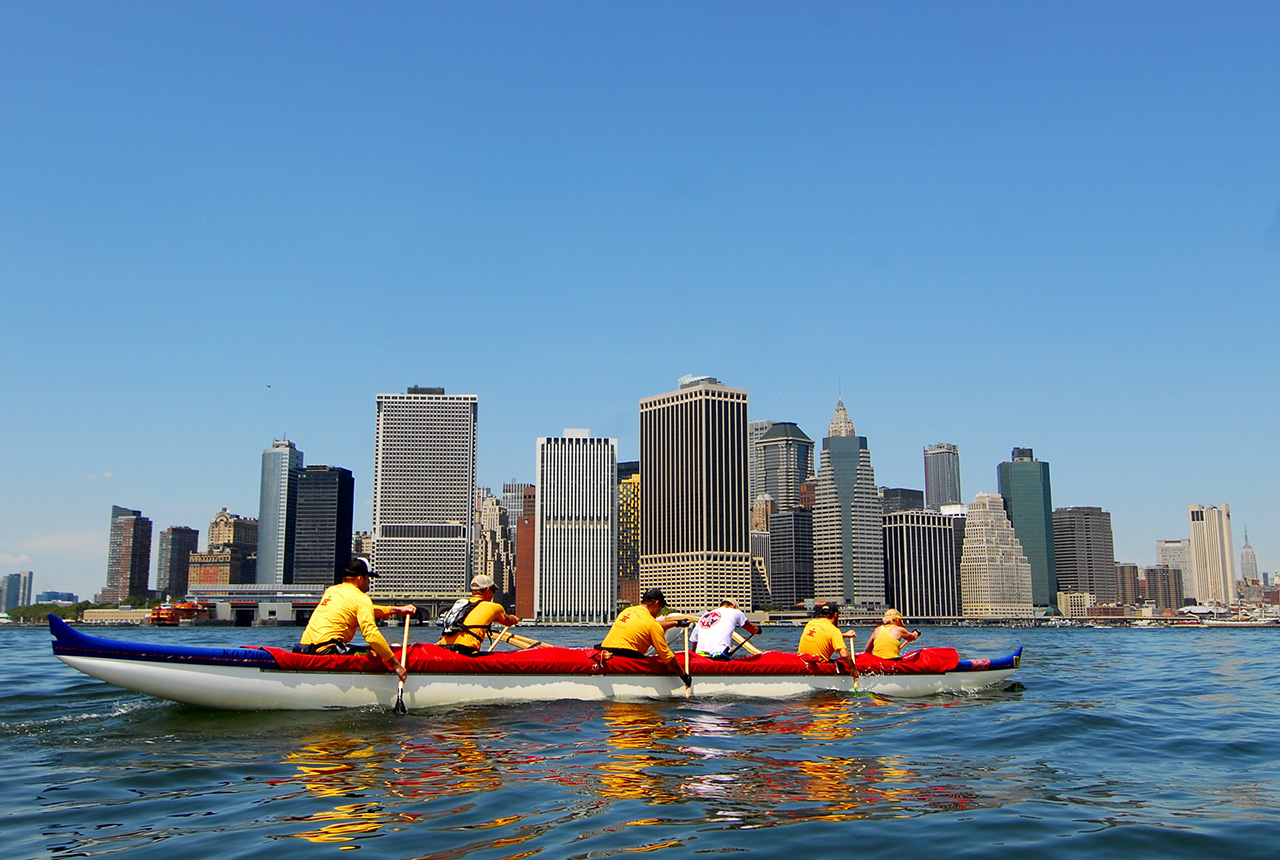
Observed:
{"x":1028,"y":500}
{"x":322,"y":535}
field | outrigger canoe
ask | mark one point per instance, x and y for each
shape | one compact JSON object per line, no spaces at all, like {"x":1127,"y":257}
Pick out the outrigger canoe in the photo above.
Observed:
{"x":264,"y":678}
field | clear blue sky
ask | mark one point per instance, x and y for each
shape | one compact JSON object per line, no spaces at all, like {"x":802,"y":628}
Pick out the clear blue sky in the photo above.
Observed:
{"x":1050,"y":225}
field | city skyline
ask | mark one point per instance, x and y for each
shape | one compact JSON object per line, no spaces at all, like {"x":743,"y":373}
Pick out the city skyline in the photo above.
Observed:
{"x":978,"y":218}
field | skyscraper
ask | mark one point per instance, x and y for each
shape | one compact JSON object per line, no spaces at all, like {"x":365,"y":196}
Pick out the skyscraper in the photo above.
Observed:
{"x":575,"y":576}
{"x":1212,"y":555}
{"x":277,"y":512}
{"x":629,"y":538}
{"x":785,"y":454}
{"x":1176,"y":554}
{"x":1248,"y":561}
{"x":1084,"y":552}
{"x":322,"y":531}
{"x":513,"y":504}
{"x":173,"y":559}
{"x":941,"y":476}
{"x":848,"y":531}
{"x":790,"y":568}
{"x":922,"y":562}
{"x":128,"y":556}
{"x":1028,"y":501}
{"x":15,"y":590}
{"x":894,"y":499}
{"x":1127,"y":584}
{"x":424,"y":484}
{"x":755,"y":462}
{"x":1164,"y":586}
{"x":694,"y":528}
{"x":995,"y":576}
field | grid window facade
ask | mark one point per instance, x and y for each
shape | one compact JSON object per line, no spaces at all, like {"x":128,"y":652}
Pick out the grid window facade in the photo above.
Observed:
{"x":424,"y":483}
{"x":576,"y":542}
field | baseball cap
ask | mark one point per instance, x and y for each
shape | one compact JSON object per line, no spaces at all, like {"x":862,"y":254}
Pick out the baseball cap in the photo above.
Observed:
{"x":481,"y":581}
{"x":654,"y":594}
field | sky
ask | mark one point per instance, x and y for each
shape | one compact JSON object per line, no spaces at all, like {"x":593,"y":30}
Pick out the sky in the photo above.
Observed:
{"x":1051,"y":225}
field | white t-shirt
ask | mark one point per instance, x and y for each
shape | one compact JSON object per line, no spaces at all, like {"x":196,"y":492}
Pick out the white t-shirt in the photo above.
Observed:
{"x":714,"y":630}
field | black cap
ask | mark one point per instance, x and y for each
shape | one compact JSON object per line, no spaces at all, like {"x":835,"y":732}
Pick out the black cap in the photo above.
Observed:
{"x":357,"y":567}
{"x":826,"y":610}
{"x":654,"y":594}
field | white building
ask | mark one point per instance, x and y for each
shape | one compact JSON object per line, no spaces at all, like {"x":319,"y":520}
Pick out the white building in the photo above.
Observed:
{"x":1212,"y":555}
{"x":424,"y":486}
{"x":575,"y":566}
{"x":278,"y":512}
{"x":995,"y":576}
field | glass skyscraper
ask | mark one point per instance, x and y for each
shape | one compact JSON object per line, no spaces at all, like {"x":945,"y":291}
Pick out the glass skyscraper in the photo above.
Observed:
{"x":1028,"y":500}
{"x":277,"y":512}
{"x":941,"y":476}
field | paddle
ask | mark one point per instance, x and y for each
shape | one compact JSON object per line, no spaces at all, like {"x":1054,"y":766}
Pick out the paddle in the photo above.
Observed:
{"x":498,"y":638}
{"x":688,"y":685}
{"x":404,"y":660}
{"x":742,"y":642}
{"x":522,"y":642}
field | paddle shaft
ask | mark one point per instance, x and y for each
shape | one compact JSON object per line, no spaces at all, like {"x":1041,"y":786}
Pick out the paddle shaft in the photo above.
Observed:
{"x":745,"y":643}
{"x":498,"y":638}
{"x":404,"y":661}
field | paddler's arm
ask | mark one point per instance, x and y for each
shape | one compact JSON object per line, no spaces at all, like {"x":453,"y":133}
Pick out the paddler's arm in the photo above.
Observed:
{"x":386,"y":611}
{"x":664,"y":651}
{"x":377,"y":644}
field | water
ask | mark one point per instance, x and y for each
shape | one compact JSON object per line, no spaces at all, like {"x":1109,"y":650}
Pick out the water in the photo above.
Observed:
{"x":1111,"y":743}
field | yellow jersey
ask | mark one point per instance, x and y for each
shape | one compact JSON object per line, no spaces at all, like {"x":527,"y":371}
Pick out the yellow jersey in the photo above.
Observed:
{"x":341,"y":610}
{"x":821,"y":638}
{"x":637,"y":629}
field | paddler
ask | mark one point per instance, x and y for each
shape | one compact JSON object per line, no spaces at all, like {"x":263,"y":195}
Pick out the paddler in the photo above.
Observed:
{"x":713,"y":633}
{"x":481,"y":613}
{"x":887,"y":640}
{"x":345,"y":607}
{"x":822,"y":637}
{"x":639,"y":627}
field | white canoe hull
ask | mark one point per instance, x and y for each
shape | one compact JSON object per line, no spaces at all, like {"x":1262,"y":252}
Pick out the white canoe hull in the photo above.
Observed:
{"x":250,"y":688}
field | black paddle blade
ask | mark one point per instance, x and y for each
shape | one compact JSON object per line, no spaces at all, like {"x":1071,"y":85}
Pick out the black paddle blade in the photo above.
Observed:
{"x":400,"y":708}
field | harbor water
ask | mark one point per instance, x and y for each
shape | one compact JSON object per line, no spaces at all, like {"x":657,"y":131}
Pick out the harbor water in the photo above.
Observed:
{"x":1106,"y":743}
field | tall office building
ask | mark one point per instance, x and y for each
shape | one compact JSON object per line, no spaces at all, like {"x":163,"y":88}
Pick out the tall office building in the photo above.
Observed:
{"x":629,"y":538}
{"x":894,"y":499}
{"x":322,"y":531}
{"x":128,"y":556}
{"x":424,"y":484}
{"x":755,"y":462}
{"x":922,"y":562}
{"x":790,"y":556}
{"x":513,"y":504}
{"x":786,"y":457}
{"x":15,"y":590}
{"x":173,"y":560}
{"x":941,"y":475}
{"x":995,"y":576}
{"x":761,"y":580}
{"x":1212,"y":577}
{"x":495,"y":553}
{"x":1128,"y":584}
{"x":1175,"y":554}
{"x":694,"y":529}
{"x":277,"y":512}
{"x":1248,"y":561}
{"x":575,"y":567}
{"x":848,"y":522}
{"x":1028,"y":501}
{"x":1084,"y":552}
{"x":1164,"y":586}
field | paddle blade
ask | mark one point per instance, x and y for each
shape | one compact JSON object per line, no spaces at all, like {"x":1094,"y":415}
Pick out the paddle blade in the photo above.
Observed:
{"x":400,"y":708}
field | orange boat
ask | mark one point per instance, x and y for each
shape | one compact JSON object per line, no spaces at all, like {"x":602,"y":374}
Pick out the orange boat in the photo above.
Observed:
{"x":173,"y":614}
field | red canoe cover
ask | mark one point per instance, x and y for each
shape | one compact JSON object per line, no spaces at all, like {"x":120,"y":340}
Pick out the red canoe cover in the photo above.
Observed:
{"x":428,"y":659}
{"x":926,"y":661}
